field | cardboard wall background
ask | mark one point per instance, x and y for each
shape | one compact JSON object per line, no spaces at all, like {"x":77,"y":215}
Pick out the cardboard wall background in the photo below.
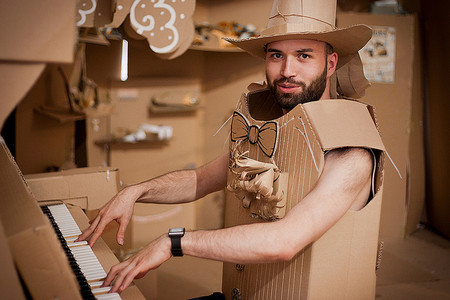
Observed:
{"x":397,"y":108}
{"x":141,"y":162}
{"x":223,"y":77}
{"x":42,"y":142}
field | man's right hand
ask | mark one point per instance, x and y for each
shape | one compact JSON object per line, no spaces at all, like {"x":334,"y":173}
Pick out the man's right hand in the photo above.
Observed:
{"x":120,"y":209}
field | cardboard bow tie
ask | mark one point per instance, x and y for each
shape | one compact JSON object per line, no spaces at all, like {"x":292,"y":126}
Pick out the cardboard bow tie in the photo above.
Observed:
{"x":265,"y":136}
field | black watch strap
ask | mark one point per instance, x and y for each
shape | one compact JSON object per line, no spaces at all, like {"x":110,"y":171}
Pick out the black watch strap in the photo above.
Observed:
{"x":175,"y":235}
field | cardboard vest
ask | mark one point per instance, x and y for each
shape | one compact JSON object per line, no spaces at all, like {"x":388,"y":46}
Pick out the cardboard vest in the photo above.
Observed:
{"x":289,"y":150}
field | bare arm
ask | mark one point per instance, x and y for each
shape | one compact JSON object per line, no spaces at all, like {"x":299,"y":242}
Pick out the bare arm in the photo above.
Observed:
{"x":343,"y":185}
{"x":187,"y":185}
{"x":175,"y":187}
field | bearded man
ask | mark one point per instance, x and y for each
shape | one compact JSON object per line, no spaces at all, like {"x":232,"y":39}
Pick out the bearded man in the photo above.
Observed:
{"x":303,"y":173}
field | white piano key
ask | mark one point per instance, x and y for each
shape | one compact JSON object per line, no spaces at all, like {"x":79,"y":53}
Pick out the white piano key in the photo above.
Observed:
{"x":92,"y":270}
{"x":81,"y":250}
{"x":102,"y":290}
{"x":70,"y":239}
{"x":83,"y":255}
{"x":89,"y":267}
{"x":94,"y":274}
{"x":76,"y":244}
{"x":110,"y":296}
{"x":64,"y":220}
{"x":88,"y":262}
{"x":95,"y":284}
{"x":85,"y":258}
{"x":93,"y":277}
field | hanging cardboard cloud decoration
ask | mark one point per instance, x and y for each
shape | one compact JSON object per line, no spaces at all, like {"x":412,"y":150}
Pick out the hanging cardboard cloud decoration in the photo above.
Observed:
{"x":85,"y":12}
{"x":163,"y":23}
{"x":166,"y":24}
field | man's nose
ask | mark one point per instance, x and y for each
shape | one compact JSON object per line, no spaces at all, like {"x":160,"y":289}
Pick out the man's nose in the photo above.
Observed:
{"x":287,"y":69}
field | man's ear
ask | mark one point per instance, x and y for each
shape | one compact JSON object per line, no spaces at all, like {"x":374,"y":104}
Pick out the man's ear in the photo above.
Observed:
{"x":332,"y":60}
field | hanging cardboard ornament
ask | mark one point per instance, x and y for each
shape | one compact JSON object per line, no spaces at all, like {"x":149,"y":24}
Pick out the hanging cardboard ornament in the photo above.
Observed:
{"x":188,"y":32}
{"x":94,"y":13}
{"x":161,"y":22}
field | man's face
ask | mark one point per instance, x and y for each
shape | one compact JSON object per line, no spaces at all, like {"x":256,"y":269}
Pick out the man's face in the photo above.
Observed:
{"x":296,"y":71}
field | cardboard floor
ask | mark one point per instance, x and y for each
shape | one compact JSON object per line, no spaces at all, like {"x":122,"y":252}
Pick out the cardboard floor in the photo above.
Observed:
{"x":415,"y":268}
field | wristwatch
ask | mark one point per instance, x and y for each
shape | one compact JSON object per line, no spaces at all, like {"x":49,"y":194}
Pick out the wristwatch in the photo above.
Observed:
{"x":175,"y":235}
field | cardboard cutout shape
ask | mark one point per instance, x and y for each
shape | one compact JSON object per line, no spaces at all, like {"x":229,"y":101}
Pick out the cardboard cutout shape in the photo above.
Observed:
{"x":162,"y":22}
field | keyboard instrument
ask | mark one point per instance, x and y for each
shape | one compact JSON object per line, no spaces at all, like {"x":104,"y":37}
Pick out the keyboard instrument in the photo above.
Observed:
{"x":33,"y":258}
{"x":85,"y":265}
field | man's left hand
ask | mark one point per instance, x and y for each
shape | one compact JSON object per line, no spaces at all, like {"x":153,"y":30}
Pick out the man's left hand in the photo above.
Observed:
{"x":149,"y":258}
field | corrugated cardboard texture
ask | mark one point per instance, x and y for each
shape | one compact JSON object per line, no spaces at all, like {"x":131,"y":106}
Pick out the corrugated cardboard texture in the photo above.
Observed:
{"x":97,"y":184}
{"x":9,"y":280}
{"x":358,"y":232}
{"x":399,"y":120}
{"x":45,"y":33}
{"x":33,"y":242}
{"x":343,"y":260}
{"x":334,"y":117}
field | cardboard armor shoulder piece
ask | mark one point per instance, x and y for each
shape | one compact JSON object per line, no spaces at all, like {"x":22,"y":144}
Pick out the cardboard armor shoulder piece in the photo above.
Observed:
{"x":347,"y":252}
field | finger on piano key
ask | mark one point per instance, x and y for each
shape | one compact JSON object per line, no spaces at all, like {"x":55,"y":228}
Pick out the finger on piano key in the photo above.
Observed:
{"x":86,"y":263}
{"x":76,"y":244}
{"x":70,"y":239}
{"x":101,"y":290}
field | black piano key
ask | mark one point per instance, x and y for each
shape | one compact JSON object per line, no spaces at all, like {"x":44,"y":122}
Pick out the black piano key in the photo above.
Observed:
{"x":85,"y":289}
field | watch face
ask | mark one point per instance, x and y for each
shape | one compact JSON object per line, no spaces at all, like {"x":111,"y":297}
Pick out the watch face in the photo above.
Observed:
{"x":176,"y":231}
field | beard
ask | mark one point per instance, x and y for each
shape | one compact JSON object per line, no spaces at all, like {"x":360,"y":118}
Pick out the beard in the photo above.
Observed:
{"x":309,"y":93}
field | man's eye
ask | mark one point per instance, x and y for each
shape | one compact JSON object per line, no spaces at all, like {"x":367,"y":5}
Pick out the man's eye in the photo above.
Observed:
{"x":304,"y":56}
{"x":276,"y":55}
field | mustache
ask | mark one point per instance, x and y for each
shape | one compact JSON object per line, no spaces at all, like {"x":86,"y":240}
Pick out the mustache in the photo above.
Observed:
{"x":290,"y":81}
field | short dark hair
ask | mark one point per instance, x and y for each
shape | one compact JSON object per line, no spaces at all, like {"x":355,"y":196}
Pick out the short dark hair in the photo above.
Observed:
{"x":328,"y":48}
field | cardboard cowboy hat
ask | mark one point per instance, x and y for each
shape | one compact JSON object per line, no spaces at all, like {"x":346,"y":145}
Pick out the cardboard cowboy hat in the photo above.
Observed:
{"x":314,"y":20}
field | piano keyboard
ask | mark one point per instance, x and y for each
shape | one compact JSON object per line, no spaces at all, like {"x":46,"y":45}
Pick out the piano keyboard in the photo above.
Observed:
{"x":85,"y":265}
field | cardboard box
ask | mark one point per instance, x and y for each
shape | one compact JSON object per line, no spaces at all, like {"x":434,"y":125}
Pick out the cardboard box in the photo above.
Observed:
{"x":397,"y":98}
{"x":89,"y":188}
